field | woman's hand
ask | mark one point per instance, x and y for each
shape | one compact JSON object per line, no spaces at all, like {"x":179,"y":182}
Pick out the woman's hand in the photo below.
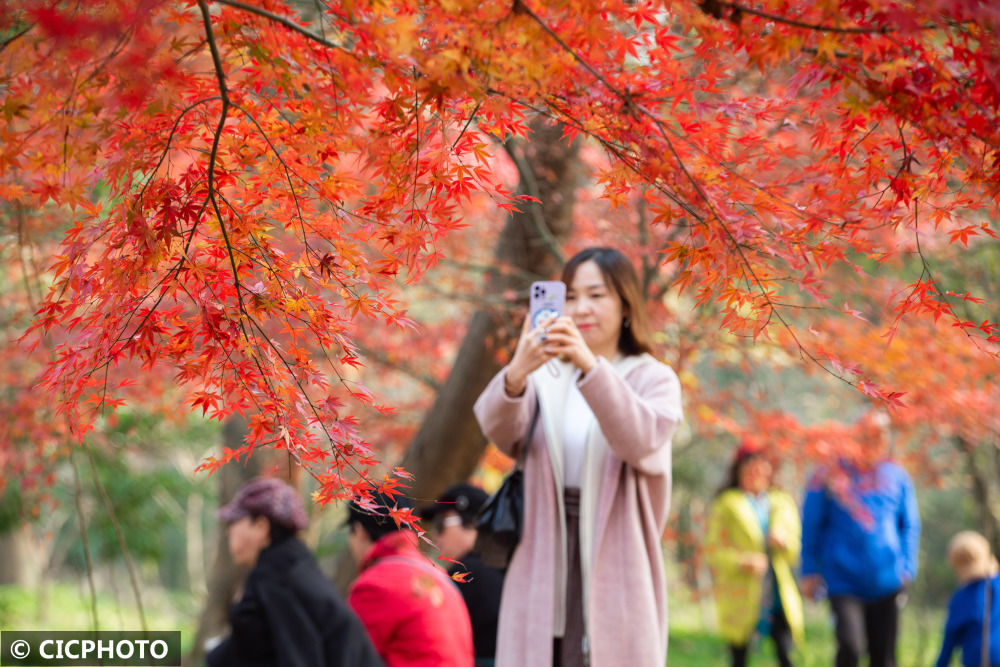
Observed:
{"x":531,"y":352}
{"x":566,"y":342}
{"x":811,"y":585}
{"x":754,"y":563}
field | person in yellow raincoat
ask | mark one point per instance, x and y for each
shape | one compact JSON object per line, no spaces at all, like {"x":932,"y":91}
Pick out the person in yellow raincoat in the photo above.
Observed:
{"x":752,"y":548}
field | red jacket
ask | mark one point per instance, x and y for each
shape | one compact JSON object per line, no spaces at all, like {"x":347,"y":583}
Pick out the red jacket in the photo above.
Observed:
{"x":412,"y":610}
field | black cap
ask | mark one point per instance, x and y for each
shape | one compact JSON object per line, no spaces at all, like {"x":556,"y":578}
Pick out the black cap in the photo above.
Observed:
{"x":374,"y":516}
{"x":465,"y":499}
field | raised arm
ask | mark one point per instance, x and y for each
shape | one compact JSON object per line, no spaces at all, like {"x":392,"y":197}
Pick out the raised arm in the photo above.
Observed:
{"x":504,"y":418}
{"x":637,"y":415}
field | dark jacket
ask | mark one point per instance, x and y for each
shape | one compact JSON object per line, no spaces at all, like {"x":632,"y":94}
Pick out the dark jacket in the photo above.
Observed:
{"x":481,"y":586}
{"x":868,"y":546}
{"x":291,"y":616}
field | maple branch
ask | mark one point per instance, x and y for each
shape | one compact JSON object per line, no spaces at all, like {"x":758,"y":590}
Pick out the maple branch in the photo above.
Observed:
{"x":863,"y":78}
{"x":925,"y":270}
{"x":528,"y":177}
{"x":16,"y":36}
{"x":633,"y":107}
{"x":618,"y":150}
{"x":521,"y":7}
{"x":78,"y":502}
{"x":170,"y":138}
{"x":291,"y":25}
{"x":288,"y":172}
{"x":225,"y":349}
{"x":302,"y":390}
{"x":129,"y":565}
{"x":220,"y":73}
{"x":175,"y":270}
{"x":959,"y":85}
{"x":213,"y":155}
{"x":490,"y":269}
{"x":416,"y":150}
{"x":790,"y":21}
{"x":382,"y":358}
{"x":25,"y":246}
{"x":465,"y":127}
{"x":264,"y":261}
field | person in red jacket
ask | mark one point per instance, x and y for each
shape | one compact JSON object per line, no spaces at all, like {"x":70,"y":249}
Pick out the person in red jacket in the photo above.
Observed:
{"x":413,"y":612}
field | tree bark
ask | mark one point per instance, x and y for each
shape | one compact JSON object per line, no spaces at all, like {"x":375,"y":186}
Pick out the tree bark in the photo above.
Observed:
{"x":449,"y":443}
{"x":981,"y":492}
{"x":225,"y":578}
{"x":15,"y":557}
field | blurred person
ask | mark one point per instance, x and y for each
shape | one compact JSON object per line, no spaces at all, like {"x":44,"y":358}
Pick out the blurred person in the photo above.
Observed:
{"x":860,"y":540}
{"x":978,"y":589}
{"x":586,"y":583}
{"x":289,"y":614}
{"x":752,"y":547}
{"x":452,"y":520}
{"x":411,"y":609}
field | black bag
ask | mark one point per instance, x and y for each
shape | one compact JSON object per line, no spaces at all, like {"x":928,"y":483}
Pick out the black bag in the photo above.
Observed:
{"x":501,"y":518}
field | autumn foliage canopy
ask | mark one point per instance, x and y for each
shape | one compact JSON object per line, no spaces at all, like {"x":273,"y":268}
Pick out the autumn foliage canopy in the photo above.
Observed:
{"x":228,"y":189}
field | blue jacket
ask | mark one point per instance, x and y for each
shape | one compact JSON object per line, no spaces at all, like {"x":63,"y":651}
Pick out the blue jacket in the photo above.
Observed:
{"x":964,"y":626}
{"x":868,"y":549}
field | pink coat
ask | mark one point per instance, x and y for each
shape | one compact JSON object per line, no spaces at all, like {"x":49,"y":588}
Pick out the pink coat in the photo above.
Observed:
{"x":625,"y":498}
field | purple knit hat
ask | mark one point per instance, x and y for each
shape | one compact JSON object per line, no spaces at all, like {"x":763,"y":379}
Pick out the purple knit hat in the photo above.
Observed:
{"x":270,"y":497}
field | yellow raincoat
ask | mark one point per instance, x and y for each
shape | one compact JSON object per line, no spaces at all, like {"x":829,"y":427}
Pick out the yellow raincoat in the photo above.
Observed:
{"x":733,"y":533}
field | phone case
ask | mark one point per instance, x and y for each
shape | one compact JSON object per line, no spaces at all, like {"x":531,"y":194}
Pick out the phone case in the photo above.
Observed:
{"x":548,"y":298}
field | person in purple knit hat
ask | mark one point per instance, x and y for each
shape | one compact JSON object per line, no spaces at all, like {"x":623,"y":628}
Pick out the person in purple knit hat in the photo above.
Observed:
{"x":289,"y":614}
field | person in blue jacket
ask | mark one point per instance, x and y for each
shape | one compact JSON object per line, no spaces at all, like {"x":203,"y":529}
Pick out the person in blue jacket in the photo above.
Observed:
{"x":860,"y":541}
{"x":978,"y":589}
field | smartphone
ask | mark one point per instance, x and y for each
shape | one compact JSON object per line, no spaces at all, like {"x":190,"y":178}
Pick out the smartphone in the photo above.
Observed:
{"x":547,"y":300}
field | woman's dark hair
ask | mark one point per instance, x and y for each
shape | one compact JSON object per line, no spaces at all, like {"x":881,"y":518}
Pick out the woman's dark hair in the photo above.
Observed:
{"x":278,"y":531}
{"x":732,"y":480}
{"x":619,"y":274}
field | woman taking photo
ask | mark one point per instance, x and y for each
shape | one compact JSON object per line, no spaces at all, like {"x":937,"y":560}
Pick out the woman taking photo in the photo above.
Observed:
{"x":753,"y":548}
{"x":586,"y":583}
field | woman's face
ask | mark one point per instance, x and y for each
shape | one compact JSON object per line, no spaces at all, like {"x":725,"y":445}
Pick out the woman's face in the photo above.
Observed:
{"x":596,"y":309}
{"x":247,"y":538}
{"x":755,"y":475}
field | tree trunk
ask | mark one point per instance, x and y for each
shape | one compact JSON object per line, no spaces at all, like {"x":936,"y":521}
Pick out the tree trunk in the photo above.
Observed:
{"x":15,"y":557}
{"x":449,"y":444}
{"x":981,"y":492}
{"x":225,"y":578}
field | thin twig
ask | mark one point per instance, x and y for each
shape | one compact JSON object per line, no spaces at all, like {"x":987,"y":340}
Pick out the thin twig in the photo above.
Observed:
{"x":291,"y":25}
{"x":800,"y":24}
{"x":534,"y":208}
{"x":78,"y":493}
{"x":15,"y":36}
{"x":109,"y":506}
{"x":383,"y":359}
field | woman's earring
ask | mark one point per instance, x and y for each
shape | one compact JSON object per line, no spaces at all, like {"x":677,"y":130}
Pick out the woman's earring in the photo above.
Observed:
{"x":626,"y":322}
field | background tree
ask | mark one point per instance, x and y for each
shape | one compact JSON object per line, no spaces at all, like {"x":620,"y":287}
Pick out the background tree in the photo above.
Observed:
{"x":241,"y":205}
{"x":267,"y":181}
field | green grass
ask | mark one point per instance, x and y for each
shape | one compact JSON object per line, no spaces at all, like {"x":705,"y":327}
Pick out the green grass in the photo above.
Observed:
{"x":693,"y":644}
{"x":65,"y":607}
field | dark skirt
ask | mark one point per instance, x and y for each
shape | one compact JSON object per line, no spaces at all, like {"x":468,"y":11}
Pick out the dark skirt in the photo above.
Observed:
{"x":569,"y":648}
